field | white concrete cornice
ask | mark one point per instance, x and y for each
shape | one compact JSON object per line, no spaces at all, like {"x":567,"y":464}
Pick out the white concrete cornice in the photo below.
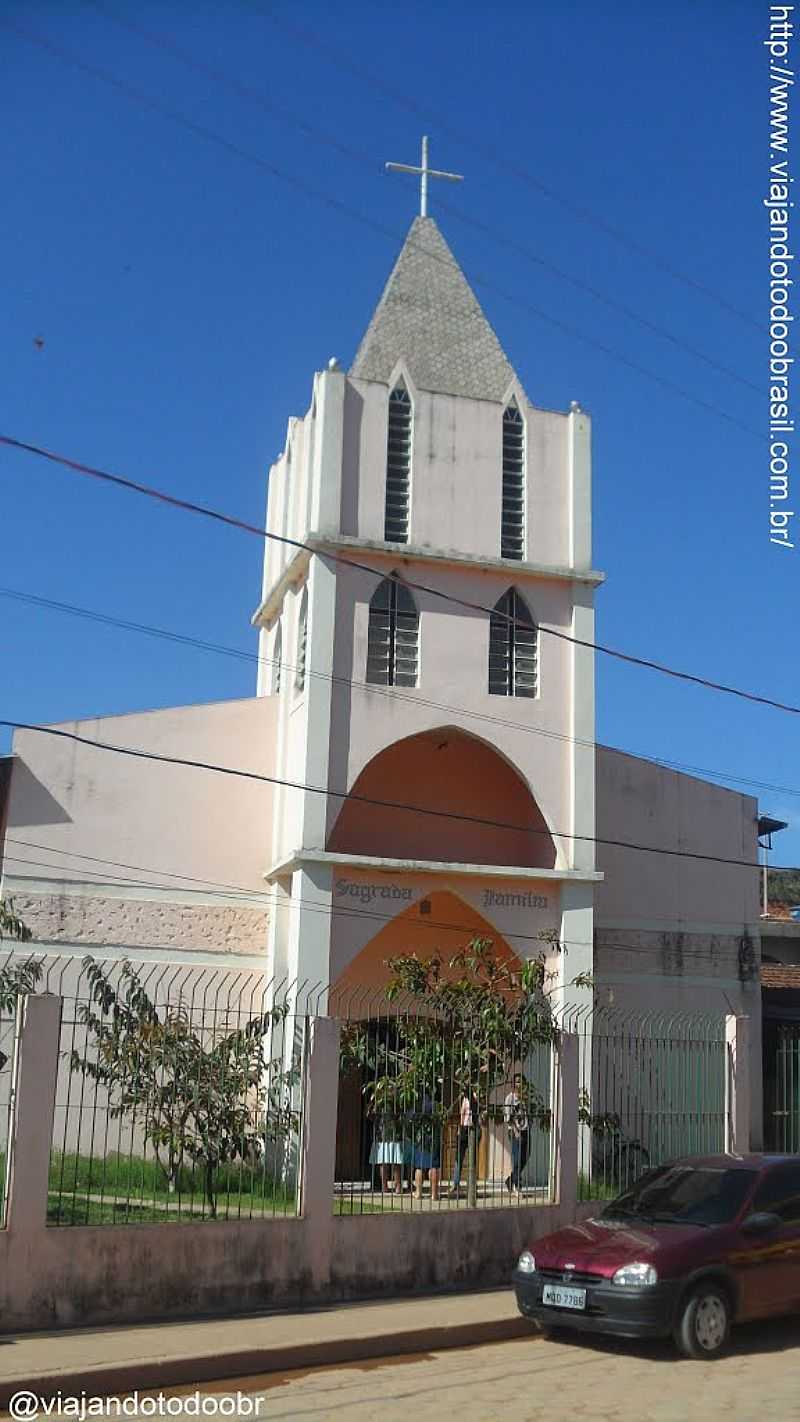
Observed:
{"x":382,"y":865}
{"x":395,"y":552}
{"x":271,"y":604}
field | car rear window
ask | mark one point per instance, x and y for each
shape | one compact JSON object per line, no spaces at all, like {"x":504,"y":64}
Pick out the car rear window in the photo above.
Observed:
{"x":685,"y":1194}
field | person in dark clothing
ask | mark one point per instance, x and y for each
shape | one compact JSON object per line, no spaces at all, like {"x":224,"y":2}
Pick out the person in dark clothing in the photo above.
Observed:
{"x":515,"y":1112}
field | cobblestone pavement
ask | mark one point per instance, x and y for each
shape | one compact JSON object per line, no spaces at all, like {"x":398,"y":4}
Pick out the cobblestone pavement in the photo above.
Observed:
{"x":532,"y":1379}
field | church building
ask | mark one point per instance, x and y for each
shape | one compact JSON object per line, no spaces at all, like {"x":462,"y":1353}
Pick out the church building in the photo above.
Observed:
{"x":424,"y":722}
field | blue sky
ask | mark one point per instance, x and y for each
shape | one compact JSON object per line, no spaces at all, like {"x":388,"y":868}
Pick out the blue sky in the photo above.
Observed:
{"x":185,"y":296}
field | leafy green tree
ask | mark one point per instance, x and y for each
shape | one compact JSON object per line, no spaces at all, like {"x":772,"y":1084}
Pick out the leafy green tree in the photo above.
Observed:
{"x":462,"y":1025}
{"x":784,"y":886}
{"x":15,"y":978}
{"x":194,"y":1095}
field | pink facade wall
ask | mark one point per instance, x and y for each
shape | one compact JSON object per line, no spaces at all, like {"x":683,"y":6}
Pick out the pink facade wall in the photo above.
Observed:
{"x":105,"y":848}
{"x":453,"y":683}
{"x":456,"y":473}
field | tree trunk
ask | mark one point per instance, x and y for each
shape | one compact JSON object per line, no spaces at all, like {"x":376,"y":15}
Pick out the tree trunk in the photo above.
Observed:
{"x":472,"y":1166}
{"x":210,"y":1196}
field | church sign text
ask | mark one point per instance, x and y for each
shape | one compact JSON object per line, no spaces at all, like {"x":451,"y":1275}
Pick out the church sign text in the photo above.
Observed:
{"x":493,"y":899}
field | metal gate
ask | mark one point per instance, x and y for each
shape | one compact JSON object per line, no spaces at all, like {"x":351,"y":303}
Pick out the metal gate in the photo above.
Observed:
{"x":782,"y":1087}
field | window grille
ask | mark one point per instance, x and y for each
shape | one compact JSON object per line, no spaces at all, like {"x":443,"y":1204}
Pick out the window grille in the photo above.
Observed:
{"x":393,"y":636}
{"x":512,"y":536}
{"x":398,"y":467}
{"x":302,"y":638}
{"x":513,"y":648}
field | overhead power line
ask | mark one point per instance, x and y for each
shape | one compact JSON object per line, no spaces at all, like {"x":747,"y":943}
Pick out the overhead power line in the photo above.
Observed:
{"x":245,"y":897}
{"x":139,"y":753}
{"x":188,"y":506}
{"x":335,"y":204}
{"x":360,"y":156}
{"x":372,"y":689}
{"x":338,"y":58}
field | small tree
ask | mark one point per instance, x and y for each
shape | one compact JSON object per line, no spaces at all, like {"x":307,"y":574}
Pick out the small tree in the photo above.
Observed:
{"x":16,"y":979}
{"x":193,"y":1098}
{"x":476,"y":1016}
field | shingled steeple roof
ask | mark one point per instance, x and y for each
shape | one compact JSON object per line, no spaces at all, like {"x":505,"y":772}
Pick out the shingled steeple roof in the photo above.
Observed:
{"x":429,"y":318}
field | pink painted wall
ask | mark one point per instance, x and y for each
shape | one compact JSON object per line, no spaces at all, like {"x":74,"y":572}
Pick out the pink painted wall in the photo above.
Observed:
{"x":456,"y":473}
{"x":453,"y":683}
{"x":206,"y":829}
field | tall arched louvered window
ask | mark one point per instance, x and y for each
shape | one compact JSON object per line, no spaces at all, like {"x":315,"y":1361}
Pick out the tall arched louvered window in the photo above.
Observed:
{"x":512,"y":535}
{"x":398,"y":466}
{"x":513,"y":648}
{"x":277,"y":658}
{"x":393,"y":636}
{"x":302,"y":639}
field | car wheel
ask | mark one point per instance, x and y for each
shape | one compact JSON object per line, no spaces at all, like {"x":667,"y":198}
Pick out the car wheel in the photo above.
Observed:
{"x":705,"y":1322}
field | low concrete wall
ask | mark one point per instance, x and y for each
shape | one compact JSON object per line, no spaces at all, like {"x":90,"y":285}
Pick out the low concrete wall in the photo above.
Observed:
{"x":401,"y":1253}
{"x":65,"y":1276}
{"x":83,"y":1275}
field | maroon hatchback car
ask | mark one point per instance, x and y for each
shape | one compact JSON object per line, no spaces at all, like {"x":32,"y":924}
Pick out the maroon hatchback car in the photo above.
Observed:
{"x":689,"y":1249}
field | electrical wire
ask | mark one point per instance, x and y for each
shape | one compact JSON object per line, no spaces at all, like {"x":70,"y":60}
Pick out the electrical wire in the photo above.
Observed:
{"x":187,"y":506}
{"x":584,"y":214}
{"x":140,"y":754}
{"x":245,"y":898}
{"x":373,"y":689}
{"x":335,"y":204}
{"x":362,"y":157}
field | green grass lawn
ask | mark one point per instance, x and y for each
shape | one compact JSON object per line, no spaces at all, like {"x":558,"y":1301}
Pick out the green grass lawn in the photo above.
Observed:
{"x":343,"y":1205}
{"x":596,"y":1189}
{"x":122,"y":1189}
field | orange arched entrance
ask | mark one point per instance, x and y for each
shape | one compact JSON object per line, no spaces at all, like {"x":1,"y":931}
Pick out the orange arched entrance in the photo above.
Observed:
{"x":439,"y":923}
{"x":473,"y":792}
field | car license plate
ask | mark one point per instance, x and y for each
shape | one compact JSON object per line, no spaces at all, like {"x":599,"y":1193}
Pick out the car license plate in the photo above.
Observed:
{"x":560,"y":1297}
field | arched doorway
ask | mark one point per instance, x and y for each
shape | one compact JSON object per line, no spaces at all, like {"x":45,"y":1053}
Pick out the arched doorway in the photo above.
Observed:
{"x":446,"y":796}
{"x":438,"y":923}
{"x":441,"y":923}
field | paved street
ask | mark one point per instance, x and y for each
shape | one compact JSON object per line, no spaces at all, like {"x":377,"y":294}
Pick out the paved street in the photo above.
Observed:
{"x":532,"y":1379}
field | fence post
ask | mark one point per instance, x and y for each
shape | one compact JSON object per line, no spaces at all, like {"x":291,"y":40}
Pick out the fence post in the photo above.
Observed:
{"x":564,"y":1181}
{"x":318,"y":1159}
{"x":35,"y":1071}
{"x":737,"y":1085}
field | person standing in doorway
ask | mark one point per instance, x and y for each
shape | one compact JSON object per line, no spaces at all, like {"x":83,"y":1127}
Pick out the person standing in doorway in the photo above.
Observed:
{"x":515,"y":1112}
{"x":468,"y":1118}
{"x":427,"y":1156}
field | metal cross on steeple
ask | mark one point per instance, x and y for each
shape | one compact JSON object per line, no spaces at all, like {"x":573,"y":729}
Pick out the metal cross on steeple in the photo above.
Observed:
{"x":424,"y":174}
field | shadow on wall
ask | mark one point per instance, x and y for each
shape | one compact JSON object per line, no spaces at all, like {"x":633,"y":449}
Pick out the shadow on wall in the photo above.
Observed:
{"x":454,"y":774}
{"x":30,"y":802}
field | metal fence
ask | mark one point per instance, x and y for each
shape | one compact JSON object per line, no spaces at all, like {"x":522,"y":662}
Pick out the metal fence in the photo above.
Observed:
{"x":437,"y":1111}
{"x":782,"y":1087}
{"x":179,"y":1094}
{"x":651,"y":1088}
{"x":7,"y":1036}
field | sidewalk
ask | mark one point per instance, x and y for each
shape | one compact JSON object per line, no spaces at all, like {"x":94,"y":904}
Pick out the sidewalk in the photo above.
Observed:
{"x":99,"y":1361}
